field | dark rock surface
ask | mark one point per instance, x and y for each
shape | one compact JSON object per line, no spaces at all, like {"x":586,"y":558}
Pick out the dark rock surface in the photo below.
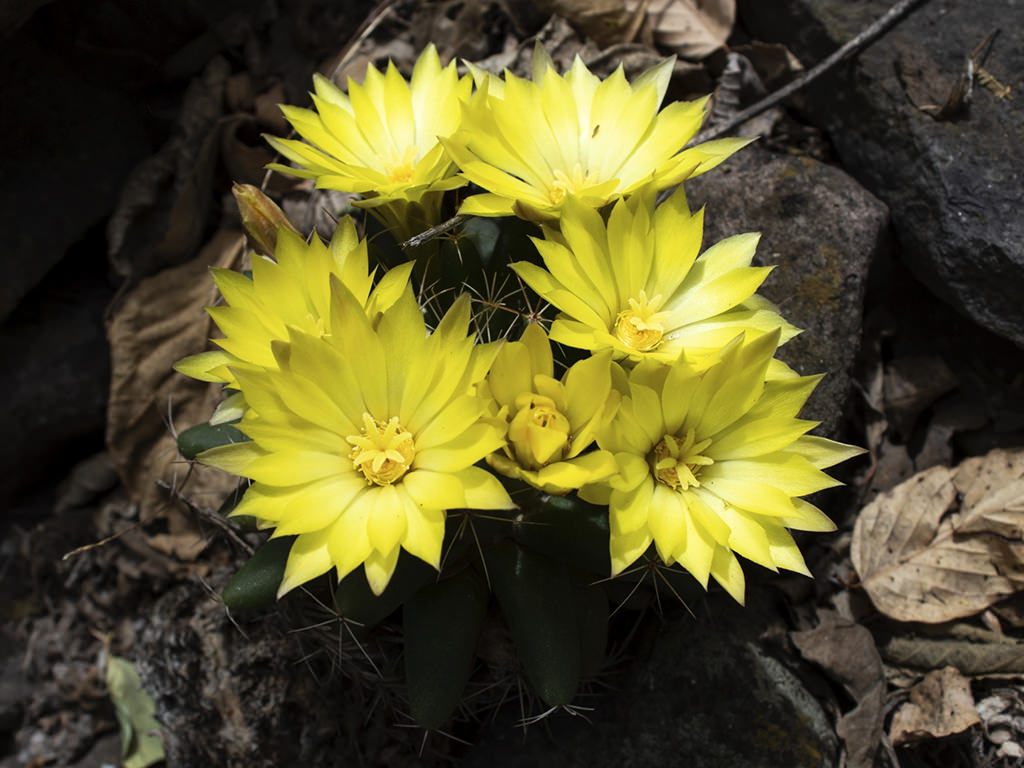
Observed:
{"x":56,"y":370}
{"x":822,"y":231}
{"x":69,"y":146}
{"x":709,"y":695}
{"x":953,"y":185}
{"x":231,"y":691}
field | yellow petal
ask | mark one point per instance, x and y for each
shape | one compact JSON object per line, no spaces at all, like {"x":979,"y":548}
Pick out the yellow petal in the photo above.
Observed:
{"x":748,"y":537}
{"x":753,"y":496}
{"x":424,"y":535}
{"x":697,"y":552}
{"x":628,"y":511}
{"x":483,"y":490}
{"x":379,"y":568}
{"x":808,"y":518}
{"x":349,"y":538}
{"x":667,"y":521}
{"x":386,"y":525}
{"x":785,"y":552}
{"x":757,"y":438}
{"x":203,"y":365}
{"x":235,"y":458}
{"x":726,"y":570}
{"x":434,"y":490}
{"x":307,"y":559}
{"x":791,"y":474}
{"x":822,"y":452}
{"x":318,"y":505}
{"x":625,"y":548}
{"x":294,"y":468}
{"x":463,"y":451}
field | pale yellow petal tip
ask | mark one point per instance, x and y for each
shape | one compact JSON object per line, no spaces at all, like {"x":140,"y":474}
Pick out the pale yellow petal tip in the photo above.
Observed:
{"x":205,"y":365}
{"x":287,"y":586}
{"x":379,"y":569}
{"x":486,"y":205}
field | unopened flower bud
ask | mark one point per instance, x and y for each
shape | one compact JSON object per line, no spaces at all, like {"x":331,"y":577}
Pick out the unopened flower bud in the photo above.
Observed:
{"x":261,"y":218}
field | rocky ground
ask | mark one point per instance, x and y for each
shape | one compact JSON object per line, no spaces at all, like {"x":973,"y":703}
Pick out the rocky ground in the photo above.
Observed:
{"x":886,"y":193}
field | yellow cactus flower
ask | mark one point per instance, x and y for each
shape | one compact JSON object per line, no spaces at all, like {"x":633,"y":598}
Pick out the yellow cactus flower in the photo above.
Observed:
{"x":381,"y":140}
{"x":363,"y":438}
{"x":536,"y":144}
{"x":291,"y":292}
{"x":714,"y":463}
{"x":636,"y":285}
{"x":551,"y":422}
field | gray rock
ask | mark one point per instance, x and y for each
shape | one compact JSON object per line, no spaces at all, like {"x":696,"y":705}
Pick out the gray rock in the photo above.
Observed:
{"x":953,"y":185}
{"x":259,"y":691}
{"x":822,"y":231}
{"x":709,"y":695}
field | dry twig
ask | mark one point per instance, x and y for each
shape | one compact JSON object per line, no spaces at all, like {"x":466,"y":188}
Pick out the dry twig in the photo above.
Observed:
{"x":861,"y":41}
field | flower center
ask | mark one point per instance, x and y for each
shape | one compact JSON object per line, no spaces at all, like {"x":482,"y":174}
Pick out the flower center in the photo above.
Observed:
{"x":640,"y":327}
{"x":676,"y":462}
{"x":382,"y":452}
{"x":566,"y":184}
{"x":401,"y":167}
{"x":539,"y":432}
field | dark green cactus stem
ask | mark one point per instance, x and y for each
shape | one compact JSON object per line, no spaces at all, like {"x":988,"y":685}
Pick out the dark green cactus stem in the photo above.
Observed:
{"x":539,"y":605}
{"x":442,"y":624}
{"x":354,"y":601}
{"x":203,"y":437}
{"x":255,"y":586}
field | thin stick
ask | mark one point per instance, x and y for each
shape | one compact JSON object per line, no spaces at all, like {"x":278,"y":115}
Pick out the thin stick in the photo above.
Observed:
{"x":369,"y":24}
{"x":209,"y":515}
{"x":865,"y":38}
{"x":638,"y":20}
{"x":435,"y":231}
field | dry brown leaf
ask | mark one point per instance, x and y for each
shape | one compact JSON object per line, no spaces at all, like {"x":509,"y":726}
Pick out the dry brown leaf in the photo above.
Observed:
{"x":939,"y":706}
{"x":846,"y":651}
{"x":164,"y":203}
{"x":601,"y":20}
{"x":159,"y":322}
{"x":971,"y":658}
{"x":693,"y":28}
{"x":1011,"y":610}
{"x":992,"y":488}
{"x":921,"y":561}
{"x":88,"y":479}
{"x":774,"y":62}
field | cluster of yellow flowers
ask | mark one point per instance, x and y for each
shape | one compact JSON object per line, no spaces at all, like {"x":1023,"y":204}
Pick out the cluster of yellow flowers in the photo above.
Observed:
{"x":365,"y":427}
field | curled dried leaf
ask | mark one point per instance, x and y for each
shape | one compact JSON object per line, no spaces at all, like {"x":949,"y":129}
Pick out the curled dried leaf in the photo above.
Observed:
{"x":159,"y":322}
{"x":693,"y":28}
{"x":922,"y":557}
{"x":939,"y":706}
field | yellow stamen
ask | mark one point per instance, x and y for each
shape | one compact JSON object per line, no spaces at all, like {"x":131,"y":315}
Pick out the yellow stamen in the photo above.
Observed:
{"x":640,"y":327}
{"x":383,"y":452}
{"x":566,"y":184}
{"x":401,"y":167}
{"x":677,"y":462}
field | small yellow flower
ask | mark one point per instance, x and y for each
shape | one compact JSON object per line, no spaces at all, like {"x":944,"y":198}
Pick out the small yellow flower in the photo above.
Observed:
{"x":362,"y":438}
{"x":636,"y":285}
{"x":535,"y":145}
{"x":714,"y":463}
{"x":381,"y":140}
{"x":551,"y":421}
{"x":292,"y":292}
